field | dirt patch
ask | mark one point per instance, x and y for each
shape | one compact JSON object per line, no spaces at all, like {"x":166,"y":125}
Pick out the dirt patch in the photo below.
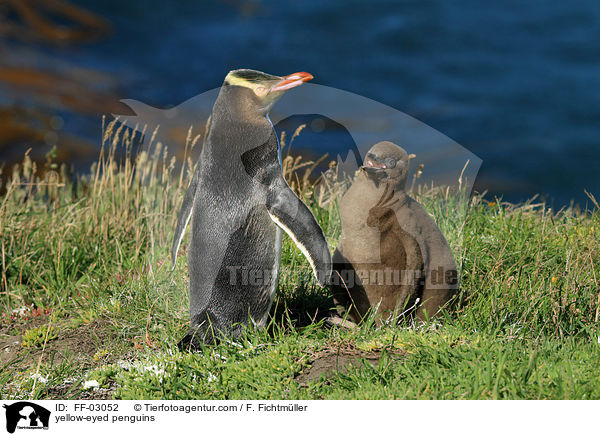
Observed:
{"x":80,"y":343}
{"x":331,"y":362}
{"x":27,"y":324}
{"x":11,"y":350}
{"x":72,"y":391}
{"x":77,"y":345}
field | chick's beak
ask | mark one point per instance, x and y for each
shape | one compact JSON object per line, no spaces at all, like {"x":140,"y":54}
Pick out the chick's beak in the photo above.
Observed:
{"x":291,"y":81}
{"x":371,"y":164}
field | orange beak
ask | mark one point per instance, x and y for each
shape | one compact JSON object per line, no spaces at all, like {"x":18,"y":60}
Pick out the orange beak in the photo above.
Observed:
{"x":291,"y":81}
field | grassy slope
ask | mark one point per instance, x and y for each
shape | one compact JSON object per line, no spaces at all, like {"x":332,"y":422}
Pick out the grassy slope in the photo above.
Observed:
{"x":95,"y":257}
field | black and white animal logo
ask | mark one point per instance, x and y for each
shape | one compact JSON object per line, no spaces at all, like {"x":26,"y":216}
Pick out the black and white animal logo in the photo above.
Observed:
{"x":26,"y":415}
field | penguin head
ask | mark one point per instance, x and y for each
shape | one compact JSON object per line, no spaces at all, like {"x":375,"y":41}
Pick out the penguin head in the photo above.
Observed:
{"x":260,"y":90}
{"x":388,"y":163}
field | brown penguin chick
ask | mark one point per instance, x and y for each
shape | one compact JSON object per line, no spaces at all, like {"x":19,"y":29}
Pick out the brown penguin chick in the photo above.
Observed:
{"x":395,"y":283}
{"x":391,"y":252}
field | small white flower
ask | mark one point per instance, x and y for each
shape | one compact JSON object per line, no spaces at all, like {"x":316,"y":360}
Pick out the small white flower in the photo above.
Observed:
{"x":488,"y":239}
{"x":124,"y":364}
{"x":155,"y":369}
{"x":21,"y":311}
{"x":40,"y":378}
{"x":89,"y":384}
{"x":217,"y":355}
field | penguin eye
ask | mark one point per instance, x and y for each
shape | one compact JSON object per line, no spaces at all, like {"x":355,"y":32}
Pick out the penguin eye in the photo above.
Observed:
{"x":390,"y":162}
{"x":260,"y":91}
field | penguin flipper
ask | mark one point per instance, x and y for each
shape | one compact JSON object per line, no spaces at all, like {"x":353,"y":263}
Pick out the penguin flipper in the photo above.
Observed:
{"x":185,"y":213}
{"x":296,"y":219}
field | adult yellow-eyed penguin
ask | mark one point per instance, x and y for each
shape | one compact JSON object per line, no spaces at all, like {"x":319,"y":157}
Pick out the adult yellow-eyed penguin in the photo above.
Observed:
{"x":239,"y":203}
{"x":391,"y":252}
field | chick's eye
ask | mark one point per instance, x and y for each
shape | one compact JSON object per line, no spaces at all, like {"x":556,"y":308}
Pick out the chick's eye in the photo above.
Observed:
{"x":260,"y":91}
{"x":390,"y":163}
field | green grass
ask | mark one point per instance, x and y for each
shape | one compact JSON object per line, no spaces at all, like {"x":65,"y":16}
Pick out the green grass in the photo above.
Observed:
{"x":86,"y":283}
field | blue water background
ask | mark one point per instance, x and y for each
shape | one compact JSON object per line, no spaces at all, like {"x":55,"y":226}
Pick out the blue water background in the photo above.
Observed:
{"x":517,"y":83}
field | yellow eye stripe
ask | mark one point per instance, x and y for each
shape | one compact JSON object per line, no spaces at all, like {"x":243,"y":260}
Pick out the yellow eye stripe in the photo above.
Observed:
{"x":234,"y":80}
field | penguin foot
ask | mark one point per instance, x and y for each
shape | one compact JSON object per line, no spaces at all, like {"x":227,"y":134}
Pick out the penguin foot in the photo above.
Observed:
{"x":189,"y":344}
{"x":337,"y":321}
{"x":193,"y":342}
